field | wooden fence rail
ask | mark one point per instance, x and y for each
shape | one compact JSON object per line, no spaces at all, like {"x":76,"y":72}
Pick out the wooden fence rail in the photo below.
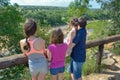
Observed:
{"x":18,"y":59}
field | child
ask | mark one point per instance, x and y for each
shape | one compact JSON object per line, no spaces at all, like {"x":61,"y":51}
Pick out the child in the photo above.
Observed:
{"x":34,"y":48}
{"x":74,"y":27}
{"x":56,"y":54}
{"x":78,"y":54}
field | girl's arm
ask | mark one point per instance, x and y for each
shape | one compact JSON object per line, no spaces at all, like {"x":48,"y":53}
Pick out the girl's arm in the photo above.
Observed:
{"x":49,"y":55}
{"x":22,"y":43}
{"x":71,"y":37}
{"x":44,"y":50}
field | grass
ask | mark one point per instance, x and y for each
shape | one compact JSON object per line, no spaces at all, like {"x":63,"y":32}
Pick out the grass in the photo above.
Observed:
{"x":90,"y":64}
{"x":116,"y":48}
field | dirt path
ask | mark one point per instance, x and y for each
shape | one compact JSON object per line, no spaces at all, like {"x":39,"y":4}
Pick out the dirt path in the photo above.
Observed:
{"x":106,"y":74}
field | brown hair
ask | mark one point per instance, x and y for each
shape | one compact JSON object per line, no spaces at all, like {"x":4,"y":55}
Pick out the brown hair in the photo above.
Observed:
{"x":82,"y":22}
{"x":30,"y":27}
{"x":57,"y":36}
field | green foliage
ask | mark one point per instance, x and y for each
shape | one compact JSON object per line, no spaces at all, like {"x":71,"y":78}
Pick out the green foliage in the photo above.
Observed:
{"x":98,"y":27}
{"x":115,"y":14}
{"x":15,"y":73}
{"x":78,"y":7}
{"x":112,"y":8}
{"x":44,"y":32}
{"x":90,"y":64}
{"x":116,"y":48}
{"x":97,"y":14}
{"x":9,"y":26}
{"x":4,"y":3}
{"x":45,"y":15}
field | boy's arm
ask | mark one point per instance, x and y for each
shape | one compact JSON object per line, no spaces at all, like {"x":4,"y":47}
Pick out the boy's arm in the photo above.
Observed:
{"x":75,"y":40}
{"x":69,"y":50}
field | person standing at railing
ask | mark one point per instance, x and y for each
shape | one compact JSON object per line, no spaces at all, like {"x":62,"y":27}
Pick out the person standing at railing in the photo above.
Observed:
{"x":73,"y":25}
{"x":78,"y":54}
{"x":56,"y":54}
{"x":34,"y":48}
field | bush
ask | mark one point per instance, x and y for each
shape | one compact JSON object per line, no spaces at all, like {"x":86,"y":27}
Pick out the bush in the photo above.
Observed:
{"x":116,"y":48}
{"x":90,"y":64}
{"x":15,"y":73}
{"x":97,"y":27}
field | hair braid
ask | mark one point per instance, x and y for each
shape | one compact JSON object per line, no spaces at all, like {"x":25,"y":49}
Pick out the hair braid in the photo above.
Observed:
{"x":27,"y":46}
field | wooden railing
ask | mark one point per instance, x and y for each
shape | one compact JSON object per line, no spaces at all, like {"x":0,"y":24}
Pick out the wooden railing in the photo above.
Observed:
{"x":21,"y":59}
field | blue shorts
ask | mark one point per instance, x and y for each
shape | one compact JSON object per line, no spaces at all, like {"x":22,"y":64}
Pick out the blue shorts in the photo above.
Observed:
{"x":55,"y":71}
{"x":75,"y":68}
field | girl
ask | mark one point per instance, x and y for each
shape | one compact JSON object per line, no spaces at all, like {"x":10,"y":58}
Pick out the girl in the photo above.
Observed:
{"x":74,"y":27}
{"x":34,"y":48}
{"x":56,"y":54}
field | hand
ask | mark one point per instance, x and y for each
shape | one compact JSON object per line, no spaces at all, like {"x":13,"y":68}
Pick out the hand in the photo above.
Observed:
{"x":45,"y":53}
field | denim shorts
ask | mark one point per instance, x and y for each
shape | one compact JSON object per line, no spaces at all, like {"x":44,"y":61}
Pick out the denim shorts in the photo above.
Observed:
{"x":37,"y":64}
{"x":75,"y":68}
{"x":55,"y":71}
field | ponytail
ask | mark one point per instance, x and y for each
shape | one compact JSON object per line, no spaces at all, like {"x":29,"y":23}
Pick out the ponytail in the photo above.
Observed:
{"x":74,"y":22}
{"x":27,"y":46}
{"x":30,"y":27}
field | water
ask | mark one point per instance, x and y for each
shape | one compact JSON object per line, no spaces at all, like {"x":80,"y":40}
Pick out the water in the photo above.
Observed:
{"x":90,"y":30}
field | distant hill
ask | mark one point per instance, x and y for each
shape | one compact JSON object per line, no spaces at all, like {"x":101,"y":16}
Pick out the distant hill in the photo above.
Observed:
{"x":42,"y":7}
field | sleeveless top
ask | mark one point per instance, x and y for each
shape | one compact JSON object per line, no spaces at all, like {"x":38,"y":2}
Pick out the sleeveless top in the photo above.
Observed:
{"x":35,"y":57}
{"x":32,"y":50}
{"x":66,"y":40}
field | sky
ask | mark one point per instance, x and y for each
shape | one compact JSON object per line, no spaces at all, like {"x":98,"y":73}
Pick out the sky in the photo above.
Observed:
{"x":62,"y":3}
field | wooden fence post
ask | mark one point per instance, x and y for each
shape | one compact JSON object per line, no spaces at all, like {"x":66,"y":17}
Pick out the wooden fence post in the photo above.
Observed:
{"x":99,"y":56}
